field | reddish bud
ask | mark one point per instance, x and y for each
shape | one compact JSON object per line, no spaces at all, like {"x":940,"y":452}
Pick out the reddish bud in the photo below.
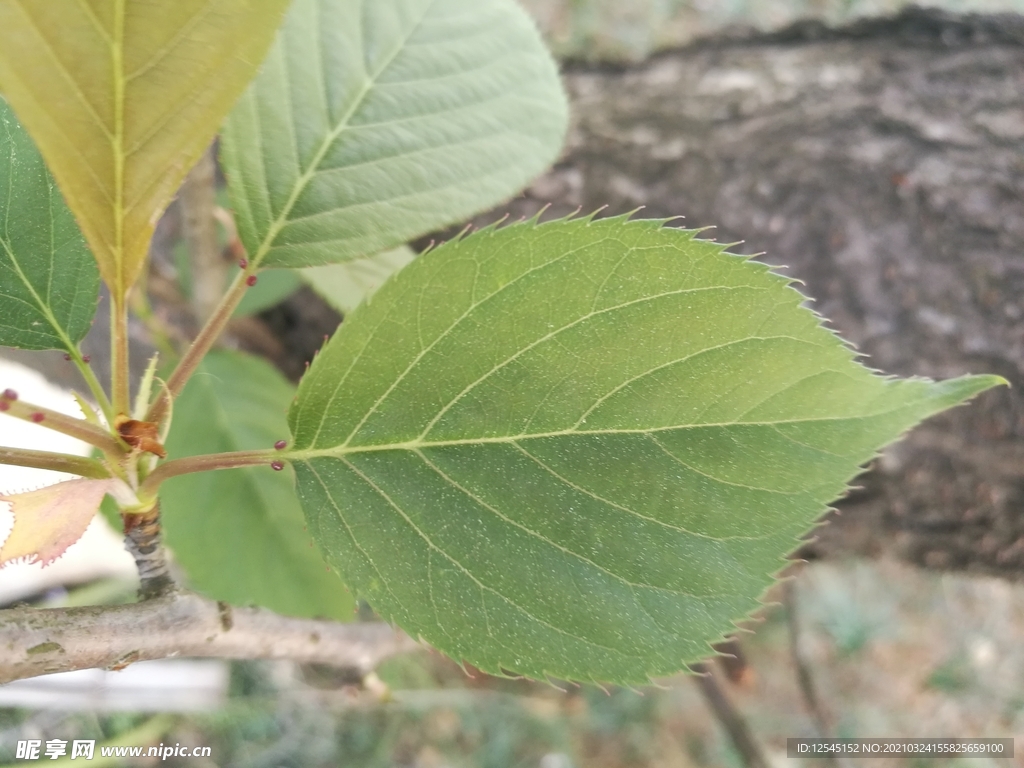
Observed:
{"x":67,"y":357}
{"x":250,"y":280}
{"x":10,"y":394}
{"x":280,"y":445}
{"x":85,"y":359}
{"x":37,"y":417}
{"x":4,"y":405}
{"x":277,"y":466}
{"x":243,"y":263}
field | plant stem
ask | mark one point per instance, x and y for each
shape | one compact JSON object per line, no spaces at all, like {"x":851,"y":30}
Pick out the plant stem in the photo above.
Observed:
{"x":119,"y":355}
{"x":93,"y":383}
{"x":202,"y":344}
{"x":204,"y":463}
{"x":38,"y":641}
{"x":59,"y":462}
{"x":59,"y":422}
{"x":142,"y":540}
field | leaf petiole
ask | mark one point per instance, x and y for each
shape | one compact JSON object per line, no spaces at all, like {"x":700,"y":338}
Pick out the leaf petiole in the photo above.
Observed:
{"x":203,"y":343}
{"x":92,"y":382}
{"x":119,"y":355}
{"x":206,"y":463}
{"x":59,"y":422}
{"x":58,"y":462}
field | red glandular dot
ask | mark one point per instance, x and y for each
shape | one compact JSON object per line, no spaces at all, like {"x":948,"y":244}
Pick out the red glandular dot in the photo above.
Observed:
{"x":85,"y":359}
{"x":280,"y":445}
{"x":10,"y":394}
{"x":250,"y":280}
{"x":37,"y":417}
{"x":243,"y":263}
{"x":67,"y":357}
{"x":277,"y":466}
{"x":4,"y":405}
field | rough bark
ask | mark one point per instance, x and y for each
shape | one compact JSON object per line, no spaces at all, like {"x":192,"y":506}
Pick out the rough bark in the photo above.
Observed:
{"x":883,"y":165}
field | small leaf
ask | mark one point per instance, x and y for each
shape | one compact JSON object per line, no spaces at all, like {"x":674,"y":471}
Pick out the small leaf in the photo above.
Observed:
{"x":122,"y":98}
{"x":239,"y":532}
{"x":345,"y":286}
{"x":583,"y":449}
{"x":48,"y":279}
{"x":372,"y":123}
{"x":48,"y":521}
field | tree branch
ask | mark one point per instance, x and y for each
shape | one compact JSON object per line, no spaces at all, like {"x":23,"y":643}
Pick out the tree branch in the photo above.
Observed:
{"x":142,"y":540}
{"x":39,"y":641}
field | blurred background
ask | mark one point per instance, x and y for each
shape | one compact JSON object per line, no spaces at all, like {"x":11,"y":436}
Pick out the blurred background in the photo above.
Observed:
{"x":847,"y":647}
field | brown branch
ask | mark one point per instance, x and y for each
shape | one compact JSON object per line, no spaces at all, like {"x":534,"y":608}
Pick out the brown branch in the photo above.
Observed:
{"x":38,"y":641}
{"x":731,"y":719}
{"x":142,"y":540}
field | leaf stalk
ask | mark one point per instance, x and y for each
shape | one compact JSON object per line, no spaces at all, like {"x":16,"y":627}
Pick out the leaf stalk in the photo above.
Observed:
{"x":58,"y":462}
{"x":92,"y":382}
{"x":119,"y":355}
{"x":206,"y":463}
{"x":66,"y":425}
{"x":203,"y":343}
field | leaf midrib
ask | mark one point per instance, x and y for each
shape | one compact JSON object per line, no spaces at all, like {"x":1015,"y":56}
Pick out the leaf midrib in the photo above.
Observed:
{"x":117,"y":147}
{"x":416,"y":444}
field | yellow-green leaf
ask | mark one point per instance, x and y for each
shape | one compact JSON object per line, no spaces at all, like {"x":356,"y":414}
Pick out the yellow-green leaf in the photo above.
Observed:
{"x":48,"y":521}
{"x":582,"y":450}
{"x":122,"y":98}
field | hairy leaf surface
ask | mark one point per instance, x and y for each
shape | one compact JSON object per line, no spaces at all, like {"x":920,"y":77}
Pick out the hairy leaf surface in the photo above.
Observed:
{"x":345,"y":286}
{"x":582,"y":449}
{"x":122,"y":98}
{"x":48,"y":280}
{"x":239,"y":532}
{"x":371,"y":123}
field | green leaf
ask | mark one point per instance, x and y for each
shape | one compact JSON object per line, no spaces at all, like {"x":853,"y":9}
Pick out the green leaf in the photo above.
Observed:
{"x":48,"y":280}
{"x":372,"y":123}
{"x":239,"y":532}
{"x":122,"y":98}
{"x":582,"y":449}
{"x":345,"y":286}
